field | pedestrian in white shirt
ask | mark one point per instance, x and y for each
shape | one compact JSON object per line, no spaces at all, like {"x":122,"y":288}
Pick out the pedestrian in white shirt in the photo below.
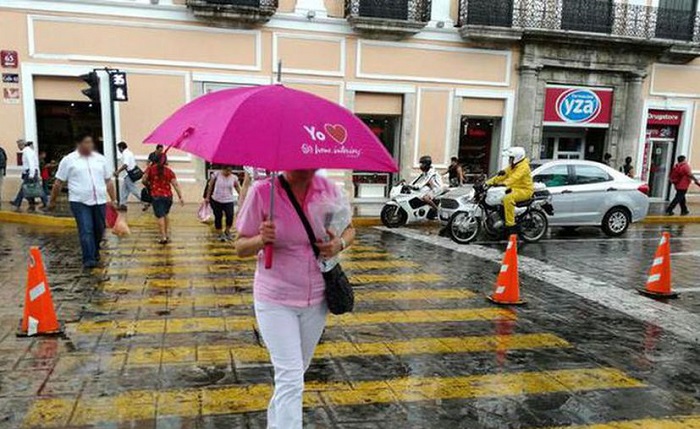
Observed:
{"x":30,"y":174}
{"x":89,"y":179}
{"x":127,"y":185}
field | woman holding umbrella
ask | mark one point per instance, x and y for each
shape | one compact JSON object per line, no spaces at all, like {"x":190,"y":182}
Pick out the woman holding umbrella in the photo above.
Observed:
{"x":289,"y":298}
{"x":280,"y":129}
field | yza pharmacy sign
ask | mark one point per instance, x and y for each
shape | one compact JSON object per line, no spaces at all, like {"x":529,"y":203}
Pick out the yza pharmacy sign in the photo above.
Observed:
{"x":577,"y":106}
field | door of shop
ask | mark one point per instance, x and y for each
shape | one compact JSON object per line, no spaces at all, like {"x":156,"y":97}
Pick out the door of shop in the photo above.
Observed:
{"x":661,"y":161}
{"x":561,"y":145}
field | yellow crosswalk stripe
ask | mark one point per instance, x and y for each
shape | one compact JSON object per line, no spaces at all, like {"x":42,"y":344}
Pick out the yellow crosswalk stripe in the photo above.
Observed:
{"x":247,"y":282}
{"x":238,"y":323}
{"x":200,"y":258}
{"x":245,"y":267}
{"x":228,"y":300}
{"x":682,"y":422}
{"x":247,"y":353}
{"x":191,"y":402}
{"x":196,"y":248}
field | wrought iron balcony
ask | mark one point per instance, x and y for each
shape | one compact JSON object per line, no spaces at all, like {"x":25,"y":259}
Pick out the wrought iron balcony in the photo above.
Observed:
{"x":586,"y":16}
{"x":244,"y":13}
{"x":393,"y":19}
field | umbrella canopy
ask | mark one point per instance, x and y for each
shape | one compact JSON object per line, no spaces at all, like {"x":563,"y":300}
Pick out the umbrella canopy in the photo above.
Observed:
{"x":275,"y":128}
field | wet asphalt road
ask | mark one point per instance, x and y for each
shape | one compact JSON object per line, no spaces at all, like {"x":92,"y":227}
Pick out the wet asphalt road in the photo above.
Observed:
{"x":166,"y":340}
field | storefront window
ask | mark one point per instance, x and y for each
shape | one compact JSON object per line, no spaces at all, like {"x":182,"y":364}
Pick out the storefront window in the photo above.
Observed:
{"x":476,"y":146}
{"x":372,"y":184}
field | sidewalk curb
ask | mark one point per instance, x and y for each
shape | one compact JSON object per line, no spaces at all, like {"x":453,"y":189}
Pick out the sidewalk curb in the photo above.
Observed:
{"x":671,"y":219}
{"x":366,"y":221}
{"x":36,"y":219}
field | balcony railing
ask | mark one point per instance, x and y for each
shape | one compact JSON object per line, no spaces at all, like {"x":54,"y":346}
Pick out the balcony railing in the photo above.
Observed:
{"x":400,"y":10}
{"x":244,"y":12}
{"x":590,"y":16}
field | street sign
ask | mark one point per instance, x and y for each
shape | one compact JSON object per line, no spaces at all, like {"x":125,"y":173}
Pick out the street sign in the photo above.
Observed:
{"x":10,"y":95}
{"x":10,"y":78}
{"x":117,"y":86}
{"x":9,"y":59}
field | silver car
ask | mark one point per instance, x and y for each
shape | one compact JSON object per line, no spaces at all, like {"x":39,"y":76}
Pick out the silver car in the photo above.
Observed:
{"x":587,"y":193}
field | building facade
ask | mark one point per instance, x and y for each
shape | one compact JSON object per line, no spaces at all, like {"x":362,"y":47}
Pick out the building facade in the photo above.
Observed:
{"x":465,"y":78}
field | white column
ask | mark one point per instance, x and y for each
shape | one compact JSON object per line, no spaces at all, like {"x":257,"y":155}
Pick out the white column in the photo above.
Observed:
{"x":440,"y":12}
{"x":316,"y":7}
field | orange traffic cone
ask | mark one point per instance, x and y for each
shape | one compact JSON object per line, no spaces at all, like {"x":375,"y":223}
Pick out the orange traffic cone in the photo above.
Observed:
{"x":659,"y":280}
{"x":508,"y":284}
{"x":39,"y":315}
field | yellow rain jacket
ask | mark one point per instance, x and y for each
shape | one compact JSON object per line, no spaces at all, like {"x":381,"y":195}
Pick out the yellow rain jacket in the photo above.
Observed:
{"x":518,"y":179}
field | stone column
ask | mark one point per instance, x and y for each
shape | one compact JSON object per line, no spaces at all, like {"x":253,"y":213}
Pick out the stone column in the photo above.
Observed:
{"x":408,"y":126}
{"x":440,"y":13}
{"x":525,"y":109}
{"x":632,"y":122}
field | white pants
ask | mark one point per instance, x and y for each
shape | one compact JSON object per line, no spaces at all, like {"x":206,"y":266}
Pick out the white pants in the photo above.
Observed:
{"x":126,"y":187}
{"x":291,"y":335}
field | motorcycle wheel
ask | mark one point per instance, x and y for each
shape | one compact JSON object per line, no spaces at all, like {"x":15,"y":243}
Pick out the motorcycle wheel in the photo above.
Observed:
{"x":393,"y":216}
{"x":463,"y":228}
{"x":533,"y":226}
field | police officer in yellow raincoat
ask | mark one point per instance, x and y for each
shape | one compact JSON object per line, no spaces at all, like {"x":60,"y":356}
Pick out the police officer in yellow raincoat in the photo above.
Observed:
{"x":517,"y":179}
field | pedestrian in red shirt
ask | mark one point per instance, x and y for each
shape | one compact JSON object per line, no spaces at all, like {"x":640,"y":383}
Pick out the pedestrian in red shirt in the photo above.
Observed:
{"x":160,"y":179}
{"x":681,"y":177}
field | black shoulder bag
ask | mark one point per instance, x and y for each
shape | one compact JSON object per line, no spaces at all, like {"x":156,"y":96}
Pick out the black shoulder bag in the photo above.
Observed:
{"x":340,"y":297}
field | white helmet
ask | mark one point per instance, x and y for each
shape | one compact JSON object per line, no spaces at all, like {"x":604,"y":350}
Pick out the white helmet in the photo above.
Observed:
{"x":516,"y":152}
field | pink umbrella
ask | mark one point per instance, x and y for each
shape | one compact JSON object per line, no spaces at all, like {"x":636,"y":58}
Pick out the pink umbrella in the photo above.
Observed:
{"x":275,"y":128}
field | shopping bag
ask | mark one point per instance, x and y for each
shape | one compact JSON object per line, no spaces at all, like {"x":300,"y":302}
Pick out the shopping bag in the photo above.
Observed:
{"x":204,"y":213}
{"x":111,"y":216}
{"x":121,"y":228}
{"x":32,"y":189}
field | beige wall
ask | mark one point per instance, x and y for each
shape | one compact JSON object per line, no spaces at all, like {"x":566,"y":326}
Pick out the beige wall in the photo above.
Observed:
{"x":323,"y":55}
{"x":433,"y":111}
{"x":329,"y":92}
{"x":162,"y":58}
{"x":157,"y":44}
{"x":335,"y":8}
{"x":378,"y":104}
{"x":487,"y":107}
{"x":13,"y":31}
{"x":59,"y":88}
{"x":449,"y":63}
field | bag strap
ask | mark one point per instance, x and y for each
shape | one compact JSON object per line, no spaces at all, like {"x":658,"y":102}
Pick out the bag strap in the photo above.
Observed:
{"x":300,"y":213}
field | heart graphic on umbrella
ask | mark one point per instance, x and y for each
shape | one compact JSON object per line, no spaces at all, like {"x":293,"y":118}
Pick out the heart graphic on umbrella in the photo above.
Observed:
{"x":337,"y":132}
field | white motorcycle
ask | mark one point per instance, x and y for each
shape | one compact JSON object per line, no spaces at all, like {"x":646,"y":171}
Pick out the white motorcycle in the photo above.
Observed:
{"x":406,"y":206}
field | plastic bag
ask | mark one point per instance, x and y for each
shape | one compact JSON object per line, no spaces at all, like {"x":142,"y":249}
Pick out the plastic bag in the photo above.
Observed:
{"x":111,"y":216}
{"x":204,"y":213}
{"x":330,"y":213}
{"x":121,"y":228}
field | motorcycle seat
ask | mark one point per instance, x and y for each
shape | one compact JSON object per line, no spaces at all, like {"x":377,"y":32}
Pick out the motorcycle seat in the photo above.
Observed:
{"x":524,"y":203}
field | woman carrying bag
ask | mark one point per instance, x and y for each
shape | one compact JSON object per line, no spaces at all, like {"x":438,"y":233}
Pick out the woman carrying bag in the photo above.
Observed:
{"x":290,"y":298}
{"x":221,"y":194}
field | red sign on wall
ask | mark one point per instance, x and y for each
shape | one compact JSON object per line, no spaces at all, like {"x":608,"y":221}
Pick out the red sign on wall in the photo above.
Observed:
{"x":9,"y":59}
{"x":577,"y":106}
{"x":664,"y":117}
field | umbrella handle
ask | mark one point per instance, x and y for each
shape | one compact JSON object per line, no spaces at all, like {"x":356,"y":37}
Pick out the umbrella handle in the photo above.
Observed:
{"x":268,"y":256}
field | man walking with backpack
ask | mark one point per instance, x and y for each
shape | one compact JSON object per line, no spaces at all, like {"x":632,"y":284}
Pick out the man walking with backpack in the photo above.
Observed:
{"x":681,"y":176}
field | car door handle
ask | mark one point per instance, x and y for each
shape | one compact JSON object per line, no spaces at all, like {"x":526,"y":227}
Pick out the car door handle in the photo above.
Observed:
{"x":567,"y":191}
{"x":611,"y":189}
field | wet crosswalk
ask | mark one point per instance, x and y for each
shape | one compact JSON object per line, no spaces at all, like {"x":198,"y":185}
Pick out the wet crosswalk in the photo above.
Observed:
{"x":170,"y":336}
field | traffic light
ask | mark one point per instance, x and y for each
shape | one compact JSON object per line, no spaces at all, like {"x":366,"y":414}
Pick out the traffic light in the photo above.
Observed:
{"x":93,"y":92}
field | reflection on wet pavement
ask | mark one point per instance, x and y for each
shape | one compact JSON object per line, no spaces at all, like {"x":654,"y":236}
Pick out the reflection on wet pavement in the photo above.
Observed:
{"x":163,"y":337}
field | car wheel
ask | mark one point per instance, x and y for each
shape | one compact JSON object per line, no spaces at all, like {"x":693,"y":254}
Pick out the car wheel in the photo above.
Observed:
{"x":616,"y":221}
{"x":393,"y":216}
